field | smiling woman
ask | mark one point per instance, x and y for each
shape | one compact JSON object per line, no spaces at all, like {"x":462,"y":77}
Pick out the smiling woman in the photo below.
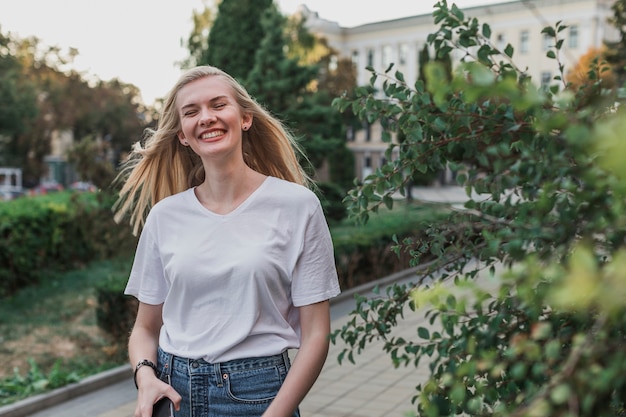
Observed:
{"x":233,"y":232}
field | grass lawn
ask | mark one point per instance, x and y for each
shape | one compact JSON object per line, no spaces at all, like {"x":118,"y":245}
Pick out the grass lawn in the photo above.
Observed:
{"x":49,"y":336}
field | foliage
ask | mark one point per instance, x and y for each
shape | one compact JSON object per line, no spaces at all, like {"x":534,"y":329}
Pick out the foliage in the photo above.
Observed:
{"x":18,"y":105}
{"x":49,"y":333}
{"x":115,"y":312}
{"x":34,"y":382}
{"x":56,"y":231}
{"x":198,"y":41}
{"x":90,"y":162}
{"x":590,"y":66}
{"x":41,"y":99}
{"x":616,"y":49}
{"x":545,"y":219}
{"x":235,"y":36}
{"x":331,"y":197}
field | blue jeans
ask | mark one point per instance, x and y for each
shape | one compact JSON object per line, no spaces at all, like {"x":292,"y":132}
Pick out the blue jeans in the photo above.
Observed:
{"x":238,"y":388}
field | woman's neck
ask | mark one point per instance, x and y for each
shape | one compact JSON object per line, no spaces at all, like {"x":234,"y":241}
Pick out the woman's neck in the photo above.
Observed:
{"x":223,"y":191}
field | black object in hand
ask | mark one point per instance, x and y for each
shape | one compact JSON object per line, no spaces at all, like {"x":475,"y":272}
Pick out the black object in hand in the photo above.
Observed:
{"x":163,"y":408}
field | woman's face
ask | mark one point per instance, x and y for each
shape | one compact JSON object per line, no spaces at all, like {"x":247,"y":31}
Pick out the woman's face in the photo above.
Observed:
{"x":211,"y":121}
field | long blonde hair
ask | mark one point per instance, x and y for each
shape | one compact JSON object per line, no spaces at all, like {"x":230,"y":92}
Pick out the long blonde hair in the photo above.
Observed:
{"x":162,"y":166}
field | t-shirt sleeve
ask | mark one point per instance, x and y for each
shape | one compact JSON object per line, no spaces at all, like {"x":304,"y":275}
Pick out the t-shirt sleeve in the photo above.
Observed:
{"x":147,"y":281}
{"x":315,"y":275}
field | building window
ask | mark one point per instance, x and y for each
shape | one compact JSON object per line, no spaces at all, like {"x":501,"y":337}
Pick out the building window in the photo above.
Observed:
{"x":370,"y":57}
{"x":387,"y":56}
{"x":546,"y":78}
{"x":403,"y":54}
{"x":351,"y":134}
{"x":501,"y":42}
{"x":573,"y":36}
{"x":524,"y":42}
{"x":355,"y":58}
{"x":332,"y":63}
{"x":547,"y":42}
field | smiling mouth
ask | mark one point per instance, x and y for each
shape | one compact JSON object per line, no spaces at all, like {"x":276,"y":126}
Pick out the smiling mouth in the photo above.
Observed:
{"x":213,"y":134}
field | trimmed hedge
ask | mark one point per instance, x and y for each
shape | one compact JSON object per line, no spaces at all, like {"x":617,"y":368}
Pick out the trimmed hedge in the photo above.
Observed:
{"x":60,"y":231}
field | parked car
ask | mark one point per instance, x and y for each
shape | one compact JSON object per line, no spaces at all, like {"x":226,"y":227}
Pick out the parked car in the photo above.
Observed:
{"x":47,"y":187}
{"x":83,"y":186}
{"x":7,"y":195}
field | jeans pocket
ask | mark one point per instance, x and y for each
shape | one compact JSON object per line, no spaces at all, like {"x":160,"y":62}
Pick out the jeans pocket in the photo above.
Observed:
{"x":255,"y":385}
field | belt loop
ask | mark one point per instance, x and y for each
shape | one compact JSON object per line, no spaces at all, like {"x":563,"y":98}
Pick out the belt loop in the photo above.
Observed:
{"x":286,"y":359}
{"x":219,"y":378}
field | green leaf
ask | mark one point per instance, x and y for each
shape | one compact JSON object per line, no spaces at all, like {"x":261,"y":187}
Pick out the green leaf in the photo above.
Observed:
{"x":561,"y":393}
{"x":423,"y":333}
{"x":486,"y":31}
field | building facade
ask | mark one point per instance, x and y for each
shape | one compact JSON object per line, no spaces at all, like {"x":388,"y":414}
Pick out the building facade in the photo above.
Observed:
{"x":518,"y":23}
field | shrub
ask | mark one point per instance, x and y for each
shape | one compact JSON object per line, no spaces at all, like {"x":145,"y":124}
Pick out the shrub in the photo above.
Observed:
{"x":116,"y":312}
{"x":546,"y":338}
{"x":60,"y":231}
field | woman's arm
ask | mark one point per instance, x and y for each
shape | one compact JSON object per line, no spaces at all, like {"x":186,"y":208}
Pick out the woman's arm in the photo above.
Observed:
{"x":308,"y":363}
{"x":143,"y":344}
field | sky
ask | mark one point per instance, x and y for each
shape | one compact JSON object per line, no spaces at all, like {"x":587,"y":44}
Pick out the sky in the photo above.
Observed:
{"x":140,"y":42}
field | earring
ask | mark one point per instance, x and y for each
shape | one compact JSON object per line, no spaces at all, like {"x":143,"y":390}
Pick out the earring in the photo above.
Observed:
{"x":246,"y":127}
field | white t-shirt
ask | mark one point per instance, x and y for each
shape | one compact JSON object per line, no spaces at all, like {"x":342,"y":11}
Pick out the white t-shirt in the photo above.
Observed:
{"x":231,"y":284}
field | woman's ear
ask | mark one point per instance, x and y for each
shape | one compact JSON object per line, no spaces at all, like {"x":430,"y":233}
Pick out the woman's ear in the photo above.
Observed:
{"x":181,"y":138}
{"x":246,"y":121}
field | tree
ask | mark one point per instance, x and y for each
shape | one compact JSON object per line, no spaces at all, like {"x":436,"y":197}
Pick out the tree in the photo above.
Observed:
{"x":89,"y":158}
{"x":283,"y":85}
{"x":41,"y":97}
{"x":18,"y":101}
{"x":590,"y":68}
{"x":616,"y":50}
{"x":235,"y":36}
{"x":198,"y":41}
{"x":548,"y":339}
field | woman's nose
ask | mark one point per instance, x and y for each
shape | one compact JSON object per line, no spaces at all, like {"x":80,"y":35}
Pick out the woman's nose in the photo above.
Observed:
{"x":207,"y":116}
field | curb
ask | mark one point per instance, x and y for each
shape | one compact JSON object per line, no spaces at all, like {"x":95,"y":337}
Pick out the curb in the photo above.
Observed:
{"x":36,"y":403}
{"x":40,"y":402}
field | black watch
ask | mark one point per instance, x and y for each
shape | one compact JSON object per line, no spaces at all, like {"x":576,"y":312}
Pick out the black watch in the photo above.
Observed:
{"x":143,"y":362}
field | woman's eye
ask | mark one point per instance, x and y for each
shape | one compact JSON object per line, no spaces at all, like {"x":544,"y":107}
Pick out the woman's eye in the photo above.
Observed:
{"x":219,"y":105}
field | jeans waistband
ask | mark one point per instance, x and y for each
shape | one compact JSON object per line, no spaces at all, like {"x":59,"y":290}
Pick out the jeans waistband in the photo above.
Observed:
{"x":200,"y":366}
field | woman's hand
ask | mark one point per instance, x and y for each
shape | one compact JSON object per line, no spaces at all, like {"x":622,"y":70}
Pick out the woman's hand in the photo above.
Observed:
{"x":151,"y":390}
{"x":143,"y":344}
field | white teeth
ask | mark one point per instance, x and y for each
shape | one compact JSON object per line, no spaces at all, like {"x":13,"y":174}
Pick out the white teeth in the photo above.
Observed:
{"x":212,"y":134}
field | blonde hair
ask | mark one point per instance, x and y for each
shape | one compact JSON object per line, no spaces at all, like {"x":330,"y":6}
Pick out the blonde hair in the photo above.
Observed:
{"x":163,"y":166}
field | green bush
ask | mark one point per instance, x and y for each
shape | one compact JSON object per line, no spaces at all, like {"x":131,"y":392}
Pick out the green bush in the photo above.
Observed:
{"x":542,"y":331}
{"x":59,"y":231}
{"x":331,"y":197}
{"x":115,"y":313}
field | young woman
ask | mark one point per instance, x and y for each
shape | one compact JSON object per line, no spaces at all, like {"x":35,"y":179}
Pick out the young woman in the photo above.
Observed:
{"x":234,"y":264}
